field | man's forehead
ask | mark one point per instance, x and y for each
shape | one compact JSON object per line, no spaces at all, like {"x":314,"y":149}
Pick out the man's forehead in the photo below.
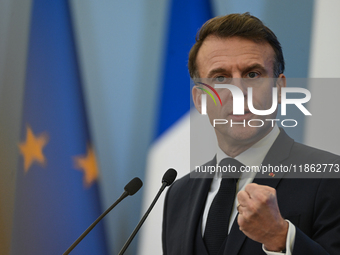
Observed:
{"x":234,"y":46}
{"x":215,"y":51}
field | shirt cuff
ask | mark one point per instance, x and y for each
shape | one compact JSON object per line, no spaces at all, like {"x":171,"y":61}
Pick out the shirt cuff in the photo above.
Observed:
{"x":289,"y":242}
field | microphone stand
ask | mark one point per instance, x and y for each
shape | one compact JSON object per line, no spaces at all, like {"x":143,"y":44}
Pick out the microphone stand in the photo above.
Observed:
{"x":126,"y":245}
{"x":124,"y":195}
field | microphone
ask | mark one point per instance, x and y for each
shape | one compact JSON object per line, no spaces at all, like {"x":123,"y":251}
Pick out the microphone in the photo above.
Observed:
{"x":130,"y":189}
{"x":167,"y":180}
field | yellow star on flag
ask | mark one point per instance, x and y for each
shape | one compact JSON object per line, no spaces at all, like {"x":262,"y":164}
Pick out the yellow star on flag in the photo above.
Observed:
{"x":88,"y":164}
{"x":32,"y":148}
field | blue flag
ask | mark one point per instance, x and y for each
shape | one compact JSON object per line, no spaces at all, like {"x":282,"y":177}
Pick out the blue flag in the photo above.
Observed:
{"x":56,"y":191}
{"x":185,"y":19}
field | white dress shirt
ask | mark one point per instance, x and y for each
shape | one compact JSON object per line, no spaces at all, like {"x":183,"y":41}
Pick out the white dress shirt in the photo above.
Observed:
{"x":252,"y":157}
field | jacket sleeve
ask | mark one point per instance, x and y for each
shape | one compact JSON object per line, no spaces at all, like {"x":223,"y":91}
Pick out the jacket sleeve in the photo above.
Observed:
{"x":325,"y":238}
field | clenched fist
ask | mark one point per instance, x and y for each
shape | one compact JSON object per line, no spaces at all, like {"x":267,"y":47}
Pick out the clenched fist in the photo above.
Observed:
{"x":259,"y":217}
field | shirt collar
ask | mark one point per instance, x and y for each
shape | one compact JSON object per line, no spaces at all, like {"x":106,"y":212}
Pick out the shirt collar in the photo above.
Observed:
{"x":256,"y":153}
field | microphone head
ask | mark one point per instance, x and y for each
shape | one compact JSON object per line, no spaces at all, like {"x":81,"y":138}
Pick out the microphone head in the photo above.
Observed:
{"x":169,"y":176}
{"x":133,"y":186}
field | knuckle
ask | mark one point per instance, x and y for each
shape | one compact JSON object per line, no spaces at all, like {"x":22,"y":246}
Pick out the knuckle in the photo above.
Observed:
{"x":251,"y":186}
{"x":263,"y":199}
{"x":240,"y":194}
{"x":253,"y":210}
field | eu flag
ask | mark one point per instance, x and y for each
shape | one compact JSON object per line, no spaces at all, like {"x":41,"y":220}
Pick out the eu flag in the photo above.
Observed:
{"x":57,"y":192}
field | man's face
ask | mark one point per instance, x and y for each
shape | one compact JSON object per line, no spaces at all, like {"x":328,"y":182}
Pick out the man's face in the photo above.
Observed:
{"x":242,"y":63}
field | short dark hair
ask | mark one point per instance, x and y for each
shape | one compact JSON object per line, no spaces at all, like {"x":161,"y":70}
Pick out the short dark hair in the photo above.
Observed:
{"x":241,"y":25}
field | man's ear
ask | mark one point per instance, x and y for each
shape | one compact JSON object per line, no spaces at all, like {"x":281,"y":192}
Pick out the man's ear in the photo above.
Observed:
{"x":197,"y":98}
{"x":280,"y":83}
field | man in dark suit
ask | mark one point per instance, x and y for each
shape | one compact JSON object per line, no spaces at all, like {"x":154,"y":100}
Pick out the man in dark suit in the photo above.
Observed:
{"x":278,"y":214}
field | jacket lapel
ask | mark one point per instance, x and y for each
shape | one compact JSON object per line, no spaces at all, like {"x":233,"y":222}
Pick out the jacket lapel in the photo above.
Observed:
{"x":198,"y":194}
{"x":279,"y":151}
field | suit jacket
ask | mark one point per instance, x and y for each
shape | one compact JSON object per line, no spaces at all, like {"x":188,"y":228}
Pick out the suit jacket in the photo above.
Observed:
{"x":312,"y":205}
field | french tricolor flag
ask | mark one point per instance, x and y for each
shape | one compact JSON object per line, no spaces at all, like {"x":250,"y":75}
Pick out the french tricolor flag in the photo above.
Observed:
{"x":171,"y":146}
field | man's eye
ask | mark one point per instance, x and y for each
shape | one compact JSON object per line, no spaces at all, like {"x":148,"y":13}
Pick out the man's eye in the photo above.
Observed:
{"x":220,"y":79}
{"x":252,"y":75}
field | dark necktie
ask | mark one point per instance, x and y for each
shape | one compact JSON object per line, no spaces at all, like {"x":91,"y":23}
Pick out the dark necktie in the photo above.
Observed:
{"x":216,"y":230}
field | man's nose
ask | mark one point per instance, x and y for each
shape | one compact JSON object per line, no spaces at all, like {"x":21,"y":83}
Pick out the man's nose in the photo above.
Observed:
{"x":241,"y":84}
